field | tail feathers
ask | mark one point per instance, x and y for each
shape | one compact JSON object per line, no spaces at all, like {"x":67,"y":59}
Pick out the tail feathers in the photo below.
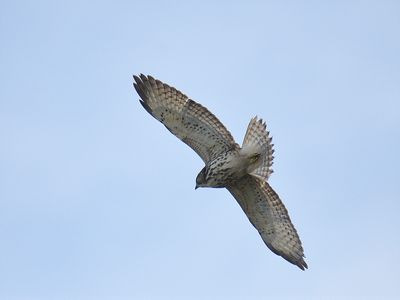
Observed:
{"x":258,"y":137}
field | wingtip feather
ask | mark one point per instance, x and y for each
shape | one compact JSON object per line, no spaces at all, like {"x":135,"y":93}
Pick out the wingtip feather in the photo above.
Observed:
{"x":146,"y":107}
{"x":302,"y":264}
{"x":137,"y":79}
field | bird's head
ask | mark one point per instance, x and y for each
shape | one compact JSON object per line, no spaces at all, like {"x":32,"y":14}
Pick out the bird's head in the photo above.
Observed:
{"x":201,"y":179}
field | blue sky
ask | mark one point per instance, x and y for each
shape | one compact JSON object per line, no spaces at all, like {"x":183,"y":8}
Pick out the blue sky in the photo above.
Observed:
{"x":97,"y":199}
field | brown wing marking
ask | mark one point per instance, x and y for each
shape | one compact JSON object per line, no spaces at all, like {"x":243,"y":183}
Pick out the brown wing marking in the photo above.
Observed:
{"x":269,"y":216}
{"x":188,"y":120}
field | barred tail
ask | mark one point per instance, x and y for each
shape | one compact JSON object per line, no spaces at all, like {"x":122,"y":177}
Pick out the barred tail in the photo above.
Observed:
{"x":257,"y":137}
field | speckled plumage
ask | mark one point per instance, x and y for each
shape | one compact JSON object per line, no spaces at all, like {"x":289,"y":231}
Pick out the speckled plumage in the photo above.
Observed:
{"x":244,"y":171}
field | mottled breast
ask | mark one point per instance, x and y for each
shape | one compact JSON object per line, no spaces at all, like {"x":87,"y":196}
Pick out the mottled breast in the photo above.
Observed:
{"x":226,"y":168}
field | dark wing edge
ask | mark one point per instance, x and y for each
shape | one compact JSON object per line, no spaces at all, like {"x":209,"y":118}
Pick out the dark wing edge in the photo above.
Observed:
{"x":191,"y":122}
{"x":270,"y":217}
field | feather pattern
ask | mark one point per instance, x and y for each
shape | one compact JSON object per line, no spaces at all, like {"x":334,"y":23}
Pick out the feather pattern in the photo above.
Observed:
{"x":270,"y":217}
{"x":258,"y":136}
{"x":191,"y":122}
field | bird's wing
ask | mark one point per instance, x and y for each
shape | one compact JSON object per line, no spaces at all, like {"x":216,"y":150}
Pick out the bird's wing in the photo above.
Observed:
{"x":270,"y":217}
{"x":189,"y":121}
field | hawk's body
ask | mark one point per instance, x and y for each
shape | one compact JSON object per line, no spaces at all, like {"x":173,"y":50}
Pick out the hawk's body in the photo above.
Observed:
{"x":244,"y":171}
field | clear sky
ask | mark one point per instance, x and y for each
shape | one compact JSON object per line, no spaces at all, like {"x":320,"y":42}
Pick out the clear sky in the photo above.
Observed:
{"x":97,"y":198}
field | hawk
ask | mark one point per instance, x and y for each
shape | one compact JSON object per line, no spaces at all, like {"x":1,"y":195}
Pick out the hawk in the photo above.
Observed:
{"x":243,"y":171}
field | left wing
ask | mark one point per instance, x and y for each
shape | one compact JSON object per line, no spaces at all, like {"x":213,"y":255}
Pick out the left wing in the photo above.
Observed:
{"x":191,"y":122}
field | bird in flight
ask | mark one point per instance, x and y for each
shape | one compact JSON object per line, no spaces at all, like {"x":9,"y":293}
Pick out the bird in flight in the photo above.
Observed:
{"x":243,"y":171}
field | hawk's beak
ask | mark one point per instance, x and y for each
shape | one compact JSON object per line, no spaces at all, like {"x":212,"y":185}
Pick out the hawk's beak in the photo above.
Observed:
{"x":196,"y":187}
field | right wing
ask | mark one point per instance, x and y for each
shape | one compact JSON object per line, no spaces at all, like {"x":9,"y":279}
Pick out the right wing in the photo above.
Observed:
{"x":269,"y":216}
{"x":192,"y":123}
